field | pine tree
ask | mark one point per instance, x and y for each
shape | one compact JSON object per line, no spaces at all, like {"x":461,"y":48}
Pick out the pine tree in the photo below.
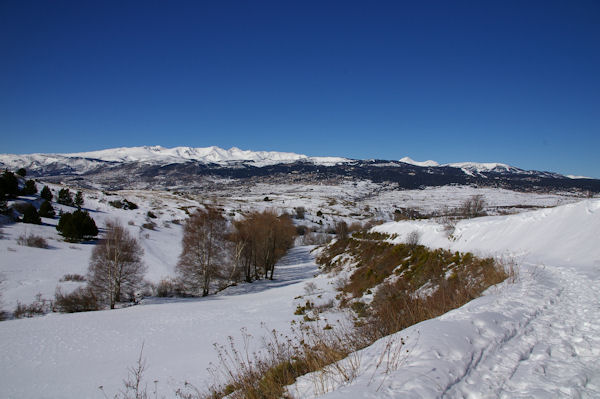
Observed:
{"x":9,"y":185}
{"x":30,"y":188}
{"x":77,"y":226}
{"x":30,"y":215}
{"x":46,"y":194}
{"x":46,"y":210}
{"x":78,"y":199}
{"x":65,"y":197}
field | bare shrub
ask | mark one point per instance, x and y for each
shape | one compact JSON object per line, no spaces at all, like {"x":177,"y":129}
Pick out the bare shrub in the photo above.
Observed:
{"x":300,"y":212}
{"x":134,"y":386}
{"x":169,"y":288}
{"x":72,"y":277}
{"x":449,"y":225}
{"x":37,"y":308}
{"x":150,"y":225}
{"x":266,"y":373}
{"x":310,"y":288}
{"x":80,"y":300}
{"x":473,"y":207}
{"x":413,"y":238}
{"x":311,"y":238}
{"x":32,"y":240}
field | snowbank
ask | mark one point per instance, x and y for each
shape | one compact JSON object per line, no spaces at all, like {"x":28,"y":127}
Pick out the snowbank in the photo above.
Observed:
{"x":536,"y":337}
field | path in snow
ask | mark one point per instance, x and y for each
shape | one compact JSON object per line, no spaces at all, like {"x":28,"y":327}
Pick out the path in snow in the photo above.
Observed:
{"x":553,"y":349}
{"x":70,"y":355}
{"x":536,"y":337}
{"x":296,"y":266}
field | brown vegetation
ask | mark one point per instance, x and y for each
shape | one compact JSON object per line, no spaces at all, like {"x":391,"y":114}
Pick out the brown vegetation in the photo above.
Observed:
{"x":32,"y":240}
{"x":260,"y":240}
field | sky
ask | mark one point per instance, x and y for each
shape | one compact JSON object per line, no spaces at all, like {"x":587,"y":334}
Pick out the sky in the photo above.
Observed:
{"x":488,"y":81}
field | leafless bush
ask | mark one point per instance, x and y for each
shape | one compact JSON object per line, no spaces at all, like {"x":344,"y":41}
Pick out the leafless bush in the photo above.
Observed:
{"x":473,"y":207}
{"x":80,"y":300}
{"x":32,"y":240}
{"x":449,"y":225}
{"x":310,"y":288}
{"x":38,"y":307}
{"x":72,"y":277}
{"x":266,"y":373}
{"x":150,"y":225}
{"x":134,"y":386}
{"x":169,"y":288}
{"x":311,"y":238}
{"x":300,"y":212}
{"x":413,"y":238}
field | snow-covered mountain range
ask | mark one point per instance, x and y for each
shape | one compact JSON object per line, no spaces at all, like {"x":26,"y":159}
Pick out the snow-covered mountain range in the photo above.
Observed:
{"x":85,"y":161}
{"x":180,"y":165}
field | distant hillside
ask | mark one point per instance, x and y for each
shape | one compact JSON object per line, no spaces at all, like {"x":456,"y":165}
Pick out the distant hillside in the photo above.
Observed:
{"x":193,"y":168}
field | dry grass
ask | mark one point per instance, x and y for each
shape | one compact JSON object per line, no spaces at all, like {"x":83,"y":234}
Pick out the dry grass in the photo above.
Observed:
{"x":452,"y":279}
{"x":265,"y":374}
{"x":32,"y":240}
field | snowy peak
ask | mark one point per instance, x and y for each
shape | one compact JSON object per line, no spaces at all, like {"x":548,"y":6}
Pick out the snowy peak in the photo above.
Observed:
{"x":211,"y":154}
{"x":427,"y":163}
{"x":85,"y":161}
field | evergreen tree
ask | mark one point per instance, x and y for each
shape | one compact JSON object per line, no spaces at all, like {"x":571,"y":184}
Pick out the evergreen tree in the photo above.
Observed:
{"x":46,"y":193}
{"x":46,"y":210}
{"x":78,"y":199}
{"x":30,"y":188}
{"x":9,"y":185}
{"x":30,"y":215}
{"x":65,"y":197}
{"x":77,"y":226}
{"x":22,"y":172}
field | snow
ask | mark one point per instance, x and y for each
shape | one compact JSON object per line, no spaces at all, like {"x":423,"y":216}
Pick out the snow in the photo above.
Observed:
{"x":70,"y":355}
{"x":161,"y":155}
{"x":538,"y":336}
{"x":419,"y":163}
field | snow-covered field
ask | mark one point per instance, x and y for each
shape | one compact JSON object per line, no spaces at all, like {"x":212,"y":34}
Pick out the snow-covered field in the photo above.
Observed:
{"x":536,"y":337}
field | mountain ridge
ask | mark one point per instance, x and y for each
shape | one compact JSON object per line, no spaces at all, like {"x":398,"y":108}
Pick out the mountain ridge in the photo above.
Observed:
{"x":184,"y":167}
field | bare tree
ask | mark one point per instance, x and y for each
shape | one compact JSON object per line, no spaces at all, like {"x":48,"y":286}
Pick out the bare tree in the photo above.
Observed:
{"x":116,"y":265}
{"x":341,"y":230}
{"x":473,"y":207}
{"x":205,"y":252}
{"x":263,"y":238}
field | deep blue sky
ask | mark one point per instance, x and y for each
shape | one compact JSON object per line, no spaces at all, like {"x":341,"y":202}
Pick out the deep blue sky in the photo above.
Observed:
{"x":515,"y":82}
